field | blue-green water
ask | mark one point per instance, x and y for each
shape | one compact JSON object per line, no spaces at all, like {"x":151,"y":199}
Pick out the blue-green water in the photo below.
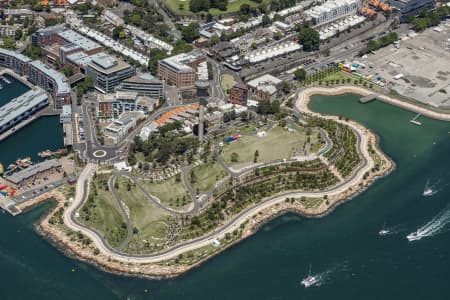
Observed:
{"x":270,"y":265}
{"x":43,"y":133}
{"x":12,"y":90}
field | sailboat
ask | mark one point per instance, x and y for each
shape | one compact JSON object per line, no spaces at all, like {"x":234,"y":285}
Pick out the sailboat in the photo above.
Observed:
{"x":310,"y":280}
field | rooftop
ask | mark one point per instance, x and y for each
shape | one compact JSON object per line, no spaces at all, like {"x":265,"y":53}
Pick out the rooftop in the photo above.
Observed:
{"x":106,"y":63}
{"x":21,"y":57}
{"x":76,"y":38}
{"x":33,"y":170}
{"x":180,"y":61}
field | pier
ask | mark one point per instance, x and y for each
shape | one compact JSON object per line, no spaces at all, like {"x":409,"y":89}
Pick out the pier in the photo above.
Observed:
{"x":368,"y":98}
{"x":414,"y":120}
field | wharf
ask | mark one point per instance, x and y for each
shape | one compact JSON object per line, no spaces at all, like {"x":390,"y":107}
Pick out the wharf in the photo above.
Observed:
{"x":368,"y":98}
{"x":9,"y":206}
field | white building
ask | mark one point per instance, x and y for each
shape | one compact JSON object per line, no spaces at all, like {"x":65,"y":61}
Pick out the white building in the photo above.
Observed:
{"x":333,"y":10}
{"x":119,"y":129}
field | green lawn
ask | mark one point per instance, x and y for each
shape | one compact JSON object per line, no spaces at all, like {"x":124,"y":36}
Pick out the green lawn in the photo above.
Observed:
{"x":102,"y":212}
{"x":151,"y":221}
{"x":226,"y":82}
{"x":277,"y":144}
{"x":169,"y":191}
{"x":207,"y":175}
{"x":174,"y":6}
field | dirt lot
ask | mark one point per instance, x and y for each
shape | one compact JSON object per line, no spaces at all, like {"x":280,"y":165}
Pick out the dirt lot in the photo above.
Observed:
{"x":423,"y":59}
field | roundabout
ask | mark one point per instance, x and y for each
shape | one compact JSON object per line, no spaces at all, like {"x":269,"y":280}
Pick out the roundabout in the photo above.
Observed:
{"x":99,"y":153}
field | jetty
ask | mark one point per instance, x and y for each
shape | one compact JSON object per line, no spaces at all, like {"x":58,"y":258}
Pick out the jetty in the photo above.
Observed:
{"x":10,"y":206}
{"x":368,"y":98}
{"x":414,"y":120}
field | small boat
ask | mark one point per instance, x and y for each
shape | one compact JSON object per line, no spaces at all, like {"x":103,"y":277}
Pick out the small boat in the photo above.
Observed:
{"x":6,"y":80}
{"x":12,"y":167}
{"x":310,"y":280}
{"x":427,"y":192}
{"x":24,"y":162}
{"x":384,"y":231}
{"x":414,"y":236}
{"x":1,"y":86}
{"x":1,"y":168}
{"x":45,"y":154}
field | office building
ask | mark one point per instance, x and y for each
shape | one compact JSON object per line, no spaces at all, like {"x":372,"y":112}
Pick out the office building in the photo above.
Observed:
{"x":145,"y":85}
{"x":108,"y":72}
{"x":181,"y":70}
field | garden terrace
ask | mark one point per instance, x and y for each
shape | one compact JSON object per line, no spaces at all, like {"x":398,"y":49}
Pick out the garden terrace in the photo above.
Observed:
{"x":344,"y":154}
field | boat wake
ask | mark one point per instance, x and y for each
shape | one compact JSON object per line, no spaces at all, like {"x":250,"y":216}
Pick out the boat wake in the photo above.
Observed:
{"x":433,"y":227}
{"x":432,"y":188}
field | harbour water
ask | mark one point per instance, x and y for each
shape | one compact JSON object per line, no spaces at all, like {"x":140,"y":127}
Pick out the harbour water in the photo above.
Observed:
{"x":43,"y":133}
{"x":344,"y":247}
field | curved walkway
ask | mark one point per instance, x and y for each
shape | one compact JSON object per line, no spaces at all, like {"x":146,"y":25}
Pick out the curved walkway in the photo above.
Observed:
{"x":234,"y":223}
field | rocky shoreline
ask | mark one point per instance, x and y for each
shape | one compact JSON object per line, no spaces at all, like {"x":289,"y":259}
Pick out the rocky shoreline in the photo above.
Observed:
{"x":59,"y":235}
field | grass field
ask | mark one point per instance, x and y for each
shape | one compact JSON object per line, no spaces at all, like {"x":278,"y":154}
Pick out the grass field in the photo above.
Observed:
{"x":150,"y":221}
{"x":174,"y":6}
{"x":168,"y":191}
{"x":277,"y":144}
{"x":226,"y":82}
{"x":207,"y":176}
{"x":103,"y":214}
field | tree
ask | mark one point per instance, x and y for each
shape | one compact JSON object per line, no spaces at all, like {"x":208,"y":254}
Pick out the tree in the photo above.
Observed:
{"x":9,"y":43}
{"x":234,"y":157}
{"x":265,"y":20}
{"x":117,"y":32}
{"x":244,"y":9}
{"x":255,"y":159}
{"x":300,"y":74}
{"x":309,"y":38}
{"x":190,"y":32}
{"x":18,"y":34}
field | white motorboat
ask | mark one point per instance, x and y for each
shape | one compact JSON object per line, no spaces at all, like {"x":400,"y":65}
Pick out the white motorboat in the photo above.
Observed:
{"x":427,"y":192}
{"x":414,"y":236}
{"x":383,"y":232}
{"x":310,"y":280}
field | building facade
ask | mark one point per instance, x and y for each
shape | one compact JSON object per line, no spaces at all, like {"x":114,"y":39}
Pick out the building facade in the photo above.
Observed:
{"x":181,"y":70}
{"x":52,"y":81}
{"x":411,"y":7}
{"x":333,"y":10}
{"x":114,"y":104}
{"x":15,"y":61}
{"x":239,"y":94}
{"x":145,"y":85}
